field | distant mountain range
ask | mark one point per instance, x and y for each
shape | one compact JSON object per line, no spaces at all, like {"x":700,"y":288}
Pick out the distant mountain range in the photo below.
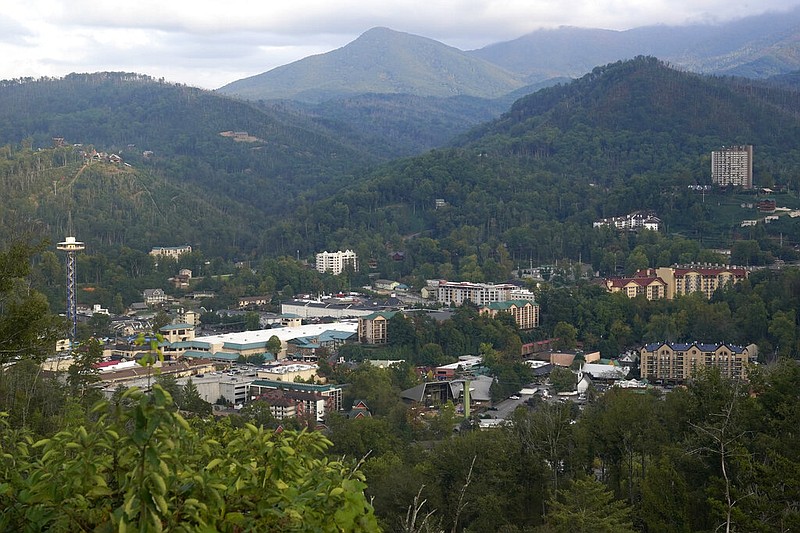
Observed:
{"x":390,"y":62}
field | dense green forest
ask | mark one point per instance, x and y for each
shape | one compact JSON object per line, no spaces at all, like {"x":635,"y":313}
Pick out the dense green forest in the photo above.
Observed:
{"x":629,"y":136}
{"x":522,"y":189}
{"x":715,"y":454}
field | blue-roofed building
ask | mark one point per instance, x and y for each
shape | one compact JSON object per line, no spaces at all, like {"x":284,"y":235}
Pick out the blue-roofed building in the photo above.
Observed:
{"x":219,"y":357}
{"x":177,"y":332}
{"x":250,"y":343}
{"x":307,"y":346}
{"x":674,"y":362}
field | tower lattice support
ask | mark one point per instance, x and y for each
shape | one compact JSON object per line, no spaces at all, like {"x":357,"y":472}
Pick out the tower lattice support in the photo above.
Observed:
{"x":72,"y":297}
{"x":70,"y":245}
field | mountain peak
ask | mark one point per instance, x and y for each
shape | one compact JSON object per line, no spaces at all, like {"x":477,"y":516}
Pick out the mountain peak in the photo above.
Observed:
{"x":384,"y":61}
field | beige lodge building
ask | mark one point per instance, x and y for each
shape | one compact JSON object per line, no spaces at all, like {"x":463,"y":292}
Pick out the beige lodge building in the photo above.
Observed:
{"x":669,"y":282}
{"x":676,"y":362}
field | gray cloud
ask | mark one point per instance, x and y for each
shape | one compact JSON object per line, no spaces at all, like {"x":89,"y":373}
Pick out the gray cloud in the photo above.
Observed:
{"x":211,"y":43}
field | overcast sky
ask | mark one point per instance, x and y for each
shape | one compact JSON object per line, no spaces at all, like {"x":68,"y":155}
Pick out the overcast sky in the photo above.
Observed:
{"x":208,"y":43}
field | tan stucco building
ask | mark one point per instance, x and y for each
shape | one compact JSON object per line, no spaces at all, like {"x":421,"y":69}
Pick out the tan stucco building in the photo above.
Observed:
{"x":675,"y":362}
{"x":374,"y":328}
{"x":669,"y":282}
{"x":652,"y":287}
{"x":525,"y":312}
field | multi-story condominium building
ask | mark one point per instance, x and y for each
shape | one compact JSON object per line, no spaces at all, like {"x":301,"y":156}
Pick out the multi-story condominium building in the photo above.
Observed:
{"x":676,"y":362}
{"x":290,"y":404}
{"x":703,"y":278}
{"x":733,"y":165}
{"x":374,"y":328}
{"x":458,"y":292}
{"x":652,"y":287}
{"x":336,"y":262}
{"x":525,"y":312}
{"x":634,"y":221}
{"x":522,"y":294}
{"x":154,"y":296}
{"x":170,"y":251}
{"x":330,"y":395}
{"x":669,"y":282}
{"x":177,"y":332}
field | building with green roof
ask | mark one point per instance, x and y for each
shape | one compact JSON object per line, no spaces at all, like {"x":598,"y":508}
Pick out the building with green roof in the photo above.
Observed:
{"x":374,"y":328}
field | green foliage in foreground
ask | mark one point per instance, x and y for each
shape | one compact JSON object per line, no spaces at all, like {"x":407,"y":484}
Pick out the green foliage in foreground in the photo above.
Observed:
{"x":587,"y":506}
{"x":141,"y":466}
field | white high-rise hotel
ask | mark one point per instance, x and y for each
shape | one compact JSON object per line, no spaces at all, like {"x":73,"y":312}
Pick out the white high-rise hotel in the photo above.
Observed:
{"x":733,"y":165}
{"x":336,"y":262}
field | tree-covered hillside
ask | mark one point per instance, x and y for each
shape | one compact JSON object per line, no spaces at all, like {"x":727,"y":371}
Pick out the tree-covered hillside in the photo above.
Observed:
{"x":58,"y":192}
{"x":129,"y":114}
{"x":523,"y":188}
{"x":400,"y":125}
{"x":630,"y":136}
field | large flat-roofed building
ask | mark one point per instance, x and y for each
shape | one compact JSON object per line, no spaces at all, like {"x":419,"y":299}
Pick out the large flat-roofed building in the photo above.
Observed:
{"x":733,"y":166}
{"x":329,"y":308}
{"x":457,"y":292}
{"x":676,"y":362}
{"x":229,"y":346}
{"x":336,"y":262}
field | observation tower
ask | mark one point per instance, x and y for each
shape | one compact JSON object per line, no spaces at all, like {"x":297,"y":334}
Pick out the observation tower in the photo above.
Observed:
{"x":70,"y":245}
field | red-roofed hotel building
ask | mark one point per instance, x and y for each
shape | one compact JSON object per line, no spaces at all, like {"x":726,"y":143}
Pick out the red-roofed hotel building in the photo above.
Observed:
{"x":669,"y":282}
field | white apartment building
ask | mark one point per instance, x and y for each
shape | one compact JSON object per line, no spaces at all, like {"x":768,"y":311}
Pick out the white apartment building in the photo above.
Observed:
{"x":522,"y":294}
{"x":733,"y":165}
{"x":170,"y":251}
{"x":336,"y":262}
{"x":633,"y":221}
{"x":457,"y":292}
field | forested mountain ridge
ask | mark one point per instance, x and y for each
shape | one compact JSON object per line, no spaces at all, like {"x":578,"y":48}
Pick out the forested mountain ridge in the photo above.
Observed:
{"x":525,"y":187}
{"x":632,"y":135}
{"x":686,"y":115}
{"x":178,"y":138}
{"x":399,"y":125}
{"x":54,"y":192}
{"x":380,"y":61}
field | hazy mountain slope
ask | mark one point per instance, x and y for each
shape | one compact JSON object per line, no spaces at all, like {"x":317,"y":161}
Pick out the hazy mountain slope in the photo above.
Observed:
{"x":757,"y":46}
{"x":790,"y":79}
{"x":397,"y":125}
{"x":380,"y":61}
